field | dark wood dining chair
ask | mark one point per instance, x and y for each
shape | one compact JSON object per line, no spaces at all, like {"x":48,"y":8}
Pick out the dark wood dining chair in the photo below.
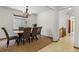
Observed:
{"x":8,"y":37}
{"x":39,"y":31}
{"x":26,"y":35}
{"x":34,"y":33}
{"x":21,"y":28}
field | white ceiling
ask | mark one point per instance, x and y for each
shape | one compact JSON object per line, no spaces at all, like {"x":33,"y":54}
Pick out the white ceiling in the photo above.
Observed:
{"x":59,"y":7}
{"x":39,"y":9}
{"x":33,"y":9}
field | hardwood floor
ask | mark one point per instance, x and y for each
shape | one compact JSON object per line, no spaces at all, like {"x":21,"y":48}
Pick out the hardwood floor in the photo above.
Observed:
{"x":32,"y":47}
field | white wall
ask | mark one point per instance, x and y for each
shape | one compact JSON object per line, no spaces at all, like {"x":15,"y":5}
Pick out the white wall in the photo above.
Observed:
{"x":31,"y":20}
{"x":7,"y":18}
{"x":63,"y":19}
{"x":48,"y":20}
{"x":76,"y":39}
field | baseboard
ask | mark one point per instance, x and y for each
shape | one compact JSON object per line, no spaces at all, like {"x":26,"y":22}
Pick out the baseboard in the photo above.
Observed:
{"x":52,"y":39}
{"x":47,"y":36}
{"x":76,"y":47}
{"x":56,"y":40}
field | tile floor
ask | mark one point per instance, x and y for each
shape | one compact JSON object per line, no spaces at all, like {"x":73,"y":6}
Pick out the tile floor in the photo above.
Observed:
{"x":65,"y":44}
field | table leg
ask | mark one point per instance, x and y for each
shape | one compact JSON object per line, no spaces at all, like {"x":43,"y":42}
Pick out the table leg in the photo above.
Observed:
{"x":20,"y":39}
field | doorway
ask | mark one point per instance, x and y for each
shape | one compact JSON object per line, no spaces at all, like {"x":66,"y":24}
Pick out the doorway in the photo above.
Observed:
{"x":71,"y":26}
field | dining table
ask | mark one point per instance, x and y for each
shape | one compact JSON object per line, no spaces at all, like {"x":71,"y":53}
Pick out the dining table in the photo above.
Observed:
{"x":20,"y":34}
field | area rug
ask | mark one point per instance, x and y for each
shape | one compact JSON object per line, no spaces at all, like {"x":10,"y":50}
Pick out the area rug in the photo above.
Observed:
{"x":28,"y":47}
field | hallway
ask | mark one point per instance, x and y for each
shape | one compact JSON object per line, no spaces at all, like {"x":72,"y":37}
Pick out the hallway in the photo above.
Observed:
{"x":65,"y":44}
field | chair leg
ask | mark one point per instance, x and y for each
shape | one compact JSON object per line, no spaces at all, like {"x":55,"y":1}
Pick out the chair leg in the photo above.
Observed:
{"x":23,"y":42}
{"x":29,"y":40}
{"x":17,"y":41}
{"x":36,"y":37}
{"x":32,"y":38}
{"x":7,"y":43}
{"x":40,"y":35}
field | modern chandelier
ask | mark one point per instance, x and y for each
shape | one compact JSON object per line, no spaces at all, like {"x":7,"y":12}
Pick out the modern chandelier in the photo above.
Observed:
{"x":25,"y":13}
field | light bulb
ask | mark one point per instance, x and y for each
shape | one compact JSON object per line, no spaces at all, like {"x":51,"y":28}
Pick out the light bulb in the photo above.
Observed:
{"x":69,"y":8}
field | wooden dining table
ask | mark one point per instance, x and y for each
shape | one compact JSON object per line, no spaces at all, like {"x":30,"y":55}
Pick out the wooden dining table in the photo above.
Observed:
{"x":20,"y":33}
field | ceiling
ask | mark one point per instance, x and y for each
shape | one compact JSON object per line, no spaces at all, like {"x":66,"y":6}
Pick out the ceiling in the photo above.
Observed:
{"x":39,"y":9}
{"x":59,"y":7}
{"x":33,"y":9}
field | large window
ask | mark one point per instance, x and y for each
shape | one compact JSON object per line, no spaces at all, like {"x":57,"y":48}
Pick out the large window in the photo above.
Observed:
{"x":19,"y":22}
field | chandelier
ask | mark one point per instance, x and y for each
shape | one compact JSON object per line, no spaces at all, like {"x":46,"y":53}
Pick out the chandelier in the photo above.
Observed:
{"x":25,"y":13}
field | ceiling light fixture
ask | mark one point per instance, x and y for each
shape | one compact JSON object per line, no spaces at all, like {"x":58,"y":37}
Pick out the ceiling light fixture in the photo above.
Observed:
{"x":25,"y":14}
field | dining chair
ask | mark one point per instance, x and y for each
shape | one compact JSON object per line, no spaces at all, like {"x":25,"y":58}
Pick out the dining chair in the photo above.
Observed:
{"x":9,"y":37}
{"x":26,"y":35}
{"x":34,"y":33}
{"x":39,"y":31}
{"x":21,"y":28}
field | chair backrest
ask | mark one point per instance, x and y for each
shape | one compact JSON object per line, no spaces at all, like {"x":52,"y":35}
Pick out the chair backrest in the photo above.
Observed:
{"x":34,"y":25}
{"x":6,"y":33}
{"x":27,"y":32}
{"x":21,"y":28}
{"x":39,"y":30}
{"x":34,"y":31}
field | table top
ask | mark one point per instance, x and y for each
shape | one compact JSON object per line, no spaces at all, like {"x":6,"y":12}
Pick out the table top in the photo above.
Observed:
{"x":18,"y":31}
